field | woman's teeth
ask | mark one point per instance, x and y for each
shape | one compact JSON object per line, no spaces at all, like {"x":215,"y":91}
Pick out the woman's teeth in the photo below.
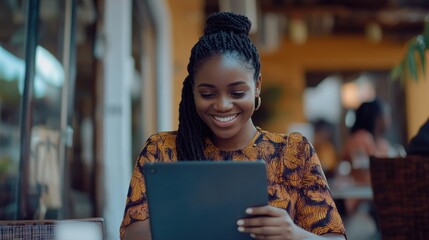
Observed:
{"x":225,"y":119}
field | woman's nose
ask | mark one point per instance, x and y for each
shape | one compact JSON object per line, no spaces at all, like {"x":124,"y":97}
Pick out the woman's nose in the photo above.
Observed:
{"x":223,"y":104}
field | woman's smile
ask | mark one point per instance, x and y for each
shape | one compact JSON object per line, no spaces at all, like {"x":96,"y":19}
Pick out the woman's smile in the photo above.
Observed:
{"x":225,"y":121}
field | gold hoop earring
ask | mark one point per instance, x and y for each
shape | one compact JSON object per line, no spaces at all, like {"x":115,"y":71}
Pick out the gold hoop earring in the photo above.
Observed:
{"x":258,"y":104}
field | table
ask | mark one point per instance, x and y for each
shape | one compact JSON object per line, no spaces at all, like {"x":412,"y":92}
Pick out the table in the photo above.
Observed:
{"x":349,"y":190}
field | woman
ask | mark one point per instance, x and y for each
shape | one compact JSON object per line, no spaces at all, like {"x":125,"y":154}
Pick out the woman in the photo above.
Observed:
{"x":219,"y":97}
{"x":366,"y":139}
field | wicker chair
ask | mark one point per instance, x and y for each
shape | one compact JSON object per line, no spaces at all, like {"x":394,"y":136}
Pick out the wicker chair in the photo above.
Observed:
{"x":44,"y":229}
{"x":401,"y":196}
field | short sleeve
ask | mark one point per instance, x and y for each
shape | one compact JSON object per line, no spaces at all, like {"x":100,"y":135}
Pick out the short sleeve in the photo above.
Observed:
{"x":315,"y":209}
{"x":136,"y":208}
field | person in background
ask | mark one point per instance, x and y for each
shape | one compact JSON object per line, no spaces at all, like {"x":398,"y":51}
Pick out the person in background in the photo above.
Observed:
{"x":419,"y":144}
{"x":219,"y":96}
{"x":366,"y":139}
{"x":324,"y":145}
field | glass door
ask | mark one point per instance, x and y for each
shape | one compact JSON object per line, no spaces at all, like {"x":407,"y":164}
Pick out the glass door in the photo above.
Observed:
{"x":52,"y":92}
{"x":37,"y":112}
{"x":13,"y":20}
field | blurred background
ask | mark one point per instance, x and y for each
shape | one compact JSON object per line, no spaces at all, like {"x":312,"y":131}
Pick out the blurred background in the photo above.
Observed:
{"x":83,"y":84}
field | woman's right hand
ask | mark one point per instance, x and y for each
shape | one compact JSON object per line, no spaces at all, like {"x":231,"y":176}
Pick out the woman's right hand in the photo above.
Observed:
{"x":268,"y":223}
{"x":138,"y":230}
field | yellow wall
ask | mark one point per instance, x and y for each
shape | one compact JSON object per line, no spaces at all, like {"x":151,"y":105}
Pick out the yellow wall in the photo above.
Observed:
{"x":187,"y":20}
{"x":290,"y":62}
{"x":417,"y":97}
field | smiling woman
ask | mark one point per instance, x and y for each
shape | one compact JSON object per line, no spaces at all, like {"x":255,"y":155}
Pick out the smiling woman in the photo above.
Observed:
{"x":219,"y":96}
{"x":225,"y":93}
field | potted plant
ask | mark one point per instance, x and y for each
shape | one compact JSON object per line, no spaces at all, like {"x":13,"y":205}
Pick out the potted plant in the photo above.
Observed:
{"x":415,"y":56}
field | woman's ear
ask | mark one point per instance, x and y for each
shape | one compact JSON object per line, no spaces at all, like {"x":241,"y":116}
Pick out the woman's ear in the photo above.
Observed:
{"x":258,"y":86}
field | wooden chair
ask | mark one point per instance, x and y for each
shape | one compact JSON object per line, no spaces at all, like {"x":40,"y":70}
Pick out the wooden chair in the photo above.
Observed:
{"x":401,"y":196}
{"x":42,"y":229}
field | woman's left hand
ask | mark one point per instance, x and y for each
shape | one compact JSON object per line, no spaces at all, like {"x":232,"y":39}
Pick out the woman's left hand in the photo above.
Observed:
{"x":268,"y":222}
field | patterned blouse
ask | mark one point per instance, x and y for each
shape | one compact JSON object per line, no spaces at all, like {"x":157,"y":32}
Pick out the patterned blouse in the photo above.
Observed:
{"x":296,"y":181}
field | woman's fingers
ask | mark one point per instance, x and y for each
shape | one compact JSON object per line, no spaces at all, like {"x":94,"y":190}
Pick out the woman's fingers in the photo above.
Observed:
{"x":267,"y":231}
{"x":266,"y":222}
{"x":264,"y":225}
{"x":264,"y":237}
{"x":258,"y":221}
{"x":266,"y":210}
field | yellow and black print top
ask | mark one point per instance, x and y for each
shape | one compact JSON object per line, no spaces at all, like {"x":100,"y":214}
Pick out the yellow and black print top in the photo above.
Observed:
{"x":296,"y":181}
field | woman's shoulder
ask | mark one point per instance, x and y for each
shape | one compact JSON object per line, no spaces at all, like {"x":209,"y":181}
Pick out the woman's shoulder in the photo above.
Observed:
{"x":162,"y":138}
{"x":163,"y":135}
{"x":294,"y":146}
{"x":162,"y":145}
{"x":291,"y":138}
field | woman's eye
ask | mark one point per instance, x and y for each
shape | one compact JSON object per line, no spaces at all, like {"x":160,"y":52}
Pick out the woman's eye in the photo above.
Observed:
{"x":238,"y":94}
{"x":206,"y":95}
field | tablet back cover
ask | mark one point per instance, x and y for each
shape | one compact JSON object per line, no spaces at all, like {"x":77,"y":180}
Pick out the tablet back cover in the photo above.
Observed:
{"x":203,"y":199}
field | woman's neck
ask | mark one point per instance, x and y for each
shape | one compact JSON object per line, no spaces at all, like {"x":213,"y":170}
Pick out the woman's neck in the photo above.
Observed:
{"x":237,"y":142}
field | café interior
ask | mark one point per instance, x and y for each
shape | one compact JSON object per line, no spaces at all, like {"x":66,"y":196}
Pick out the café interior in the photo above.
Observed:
{"x":84,"y":83}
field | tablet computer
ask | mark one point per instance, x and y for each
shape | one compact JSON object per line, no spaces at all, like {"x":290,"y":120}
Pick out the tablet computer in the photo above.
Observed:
{"x":203,"y":199}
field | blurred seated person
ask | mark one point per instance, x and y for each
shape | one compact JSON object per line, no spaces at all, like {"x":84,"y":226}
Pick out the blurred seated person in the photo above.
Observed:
{"x":324,"y":145}
{"x":366,"y":139}
{"x":419,"y":144}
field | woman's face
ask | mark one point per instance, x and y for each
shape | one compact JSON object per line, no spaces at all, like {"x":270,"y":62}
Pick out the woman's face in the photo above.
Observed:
{"x":225,"y":91}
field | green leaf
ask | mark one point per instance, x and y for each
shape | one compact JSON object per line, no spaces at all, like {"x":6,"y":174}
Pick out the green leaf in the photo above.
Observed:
{"x":425,"y":39}
{"x":411,"y":62}
{"x":421,"y":52}
{"x":408,"y":68}
{"x":397,"y":72}
{"x":426,"y":28}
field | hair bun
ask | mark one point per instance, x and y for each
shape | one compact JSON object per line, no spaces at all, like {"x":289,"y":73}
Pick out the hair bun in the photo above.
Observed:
{"x":227,"y":22}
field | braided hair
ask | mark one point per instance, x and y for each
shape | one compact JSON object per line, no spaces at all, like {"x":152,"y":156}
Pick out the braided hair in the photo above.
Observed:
{"x":225,"y":33}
